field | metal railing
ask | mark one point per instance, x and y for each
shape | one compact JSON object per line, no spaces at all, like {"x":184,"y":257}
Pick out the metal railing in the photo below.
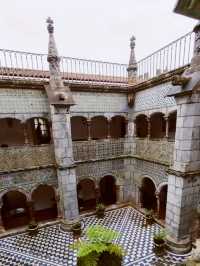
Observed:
{"x":16,"y":64}
{"x":175,"y":55}
{"x":24,"y":65}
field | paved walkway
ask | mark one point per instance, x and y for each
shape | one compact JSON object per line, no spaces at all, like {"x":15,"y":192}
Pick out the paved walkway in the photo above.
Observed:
{"x":52,"y":246}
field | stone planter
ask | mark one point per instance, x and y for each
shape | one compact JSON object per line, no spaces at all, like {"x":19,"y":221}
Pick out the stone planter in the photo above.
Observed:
{"x":159,"y":246}
{"x":33,"y":230}
{"x":100,"y":213}
{"x":149,"y":220}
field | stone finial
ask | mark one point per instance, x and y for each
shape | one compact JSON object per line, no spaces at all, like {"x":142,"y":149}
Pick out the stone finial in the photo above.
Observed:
{"x":58,"y":94}
{"x":132,"y":42}
{"x":50,"y":27}
{"x":132,"y":67}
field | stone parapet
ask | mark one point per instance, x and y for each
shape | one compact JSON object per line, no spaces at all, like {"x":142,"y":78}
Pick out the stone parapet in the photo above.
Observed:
{"x":155,"y":150}
{"x":26,"y":157}
{"x":101,"y":149}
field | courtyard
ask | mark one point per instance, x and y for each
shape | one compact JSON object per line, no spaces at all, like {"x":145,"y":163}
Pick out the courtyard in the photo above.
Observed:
{"x":52,"y":246}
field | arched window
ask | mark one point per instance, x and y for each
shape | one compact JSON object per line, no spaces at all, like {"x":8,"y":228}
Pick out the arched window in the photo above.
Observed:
{"x":99,"y":127}
{"x":157,"y":125}
{"x":141,"y":126}
{"x":86,"y":194}
{"x":38,"y":131}
{"x":163,"y":202}
{"x":79,"y":128}
{"x":45,"y":205}
{"x":14,"y":210}
{"x":172,"y":125}
{"x":148,"y":196}
{"x":11,"y":132}
{"x":108,"y":190}
{"x":117,"y":127}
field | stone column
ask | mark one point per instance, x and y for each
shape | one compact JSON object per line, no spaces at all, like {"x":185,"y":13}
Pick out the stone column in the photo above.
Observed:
{"x":167,"y":127}
{"x":26,"y":140}
{"x":89,"y":122}
{"x":65,"y":166}
{"x":98,"y":194}
{"x":183,"y":178}
{"x":30,"y":205}
{"x":60,"y":100}
{"x":158,"y":203}
{"x":130,"y":128}
{"x":59,"y":211}
{"x":120,"y":193}
{"x":148,"y":127}
{"x":109,"y":124}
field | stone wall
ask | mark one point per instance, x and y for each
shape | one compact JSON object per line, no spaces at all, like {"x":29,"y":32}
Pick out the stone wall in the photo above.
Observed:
{"x":27,"y":180}
{"x":23,"y":103}
{"x":160,"y":151}
{"x":154,"y":98}
{"x":155,"y":171}
{"x":26,"y":157}
{"x":99,"y":102}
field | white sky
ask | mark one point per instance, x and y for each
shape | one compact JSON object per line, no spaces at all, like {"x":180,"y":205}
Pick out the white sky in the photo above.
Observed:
{"x":93,"y":29}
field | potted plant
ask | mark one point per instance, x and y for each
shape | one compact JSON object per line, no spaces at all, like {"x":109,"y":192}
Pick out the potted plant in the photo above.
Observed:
{"x":98,"y":249}
{"x":100,"y":210}
{"x":159,"y":241}
{"x":76,"y":229}
{"x":33,"y":228}
{"x":149,"y":216}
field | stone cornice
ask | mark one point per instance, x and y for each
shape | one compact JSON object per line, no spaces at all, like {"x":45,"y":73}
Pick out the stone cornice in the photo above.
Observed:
{"x":40,"y":85}
{"x":183,"y":174}
{"x":166,"y":77}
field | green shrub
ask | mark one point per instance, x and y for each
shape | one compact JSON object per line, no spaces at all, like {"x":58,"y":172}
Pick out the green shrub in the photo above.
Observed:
{"x":99,"y":247}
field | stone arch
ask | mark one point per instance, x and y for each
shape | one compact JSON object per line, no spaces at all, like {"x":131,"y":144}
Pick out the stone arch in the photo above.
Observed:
{"x":99,"y":127}
{"x":118,"y":126}
{"x":148,"y":194}
{"x":14,"y":210}
{"x":12,"y":132}
{"x":172,"y":124}
{"x":162,"y":199}
{"x":108,"y":193}
{"x":19,"y":189}
{"x":157,"y":125}
{"x":38,"y":130}
{"x":79,"y":128}
{"x":141,"y":123}
{"x":86,"y":193}
{"x":44,"y":198}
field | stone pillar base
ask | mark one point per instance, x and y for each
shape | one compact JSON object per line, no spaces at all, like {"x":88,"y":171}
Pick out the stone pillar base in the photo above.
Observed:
{"x":179,"y":247}
{"x":66,"y":225}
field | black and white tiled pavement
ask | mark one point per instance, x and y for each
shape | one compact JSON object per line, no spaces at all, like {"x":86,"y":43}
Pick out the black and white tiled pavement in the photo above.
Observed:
{"x":52,"y":247}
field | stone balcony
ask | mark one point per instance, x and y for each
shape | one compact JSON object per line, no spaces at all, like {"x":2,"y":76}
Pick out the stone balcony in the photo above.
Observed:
{"x":25,"y":157}
{"x":100,"y":149}
{"x":160,"y":150}
{"x":28,"y":157}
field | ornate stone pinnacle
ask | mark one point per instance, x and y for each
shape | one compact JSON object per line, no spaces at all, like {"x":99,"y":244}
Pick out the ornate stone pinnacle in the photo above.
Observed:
{"x":132,"y":67}
{"x":50,"y":27}
{"x":132,"y":42}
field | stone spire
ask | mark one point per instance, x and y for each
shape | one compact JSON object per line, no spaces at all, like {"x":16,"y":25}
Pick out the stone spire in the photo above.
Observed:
{"x":132,"y":67}
{"x":58,"y":94}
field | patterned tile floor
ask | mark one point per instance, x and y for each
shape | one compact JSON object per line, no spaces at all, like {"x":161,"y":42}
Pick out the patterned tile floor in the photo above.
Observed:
{"x":52,"y":246}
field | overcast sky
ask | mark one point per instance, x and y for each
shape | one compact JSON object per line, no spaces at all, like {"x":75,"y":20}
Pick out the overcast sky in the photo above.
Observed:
{"x":93,"y":29}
